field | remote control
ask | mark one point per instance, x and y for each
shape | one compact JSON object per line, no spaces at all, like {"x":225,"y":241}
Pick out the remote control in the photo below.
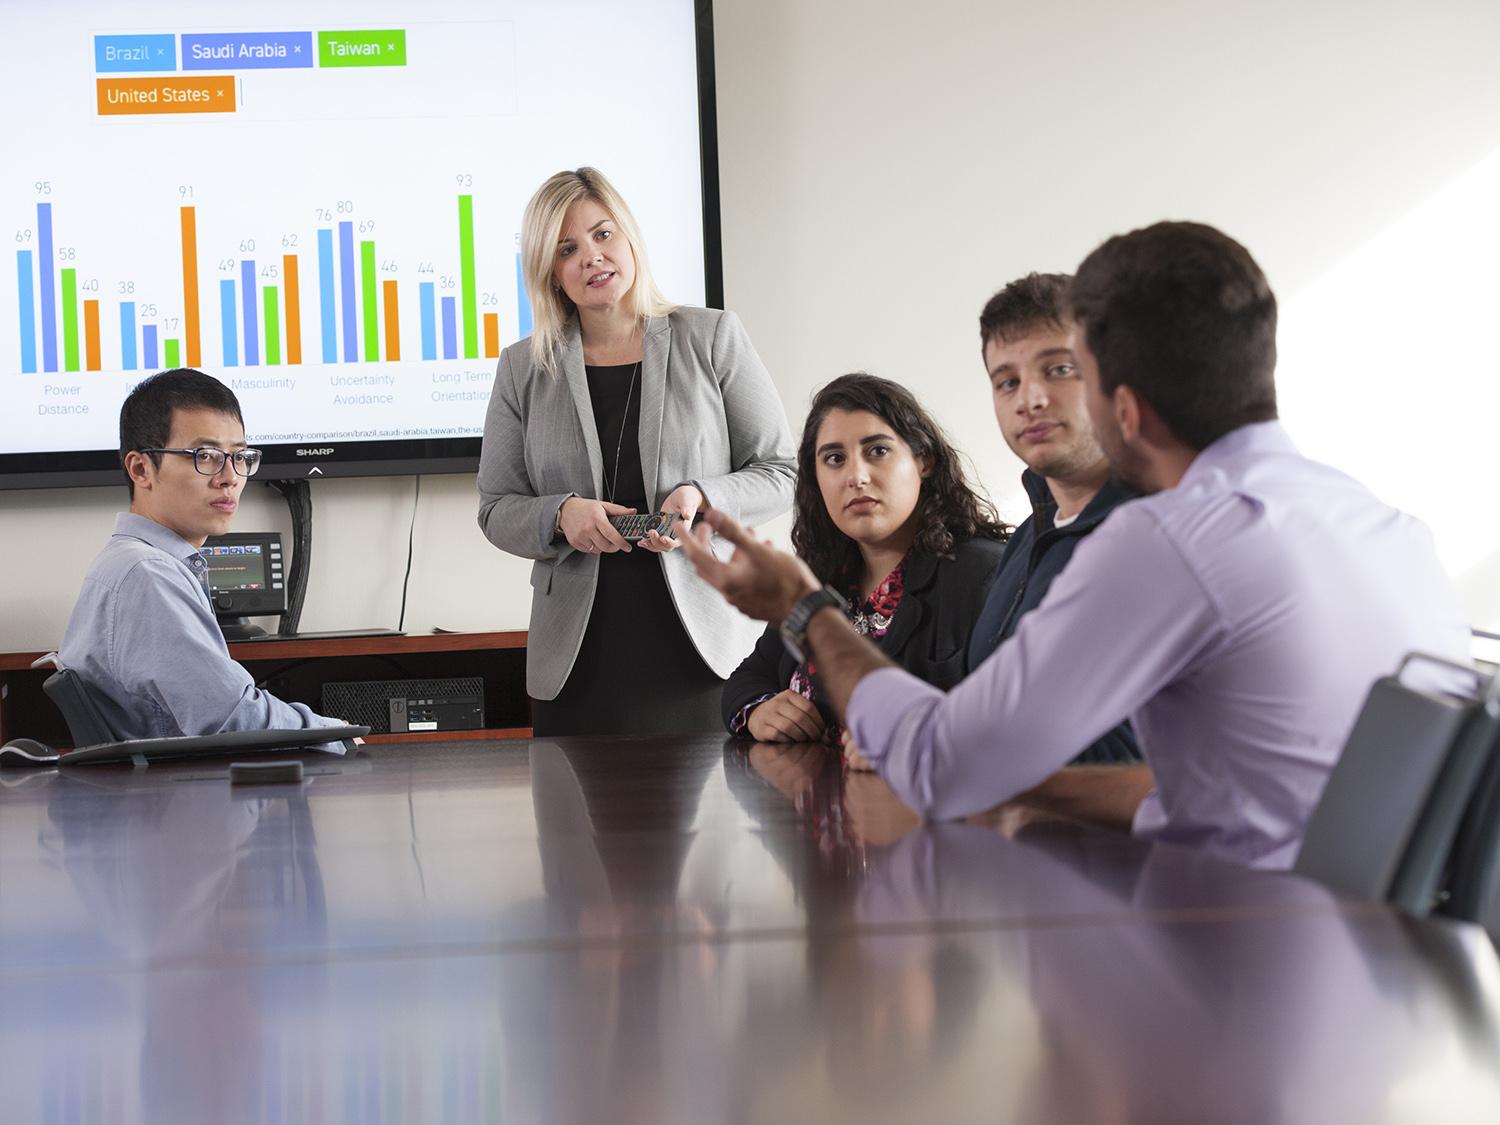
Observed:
{"x":635,"y":528}
{"x":260,"y":773}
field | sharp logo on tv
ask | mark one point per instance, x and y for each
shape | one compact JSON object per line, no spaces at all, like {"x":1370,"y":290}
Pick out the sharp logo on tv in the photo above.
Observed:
{"x":315,"y":452}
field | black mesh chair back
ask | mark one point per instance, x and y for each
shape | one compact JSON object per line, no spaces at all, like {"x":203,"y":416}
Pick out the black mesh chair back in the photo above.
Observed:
{"x":1393,"y":803}
{"x":1419,"y":885}
{"x":1473,"y":881}
{"x":85,"y":723}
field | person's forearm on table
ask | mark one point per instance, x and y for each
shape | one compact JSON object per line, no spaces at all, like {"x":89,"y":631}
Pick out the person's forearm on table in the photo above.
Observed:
{"x":1102,"y":794}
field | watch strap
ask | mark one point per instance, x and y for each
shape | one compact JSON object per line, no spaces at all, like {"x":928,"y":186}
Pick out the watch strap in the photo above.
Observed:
{"x":794,"y":627}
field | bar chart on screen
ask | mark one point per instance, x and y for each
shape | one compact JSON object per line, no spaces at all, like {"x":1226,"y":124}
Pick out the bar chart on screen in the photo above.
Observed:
{"x":319,"y":203}
{"x":301,"y":210}
{"x":331,"y":276}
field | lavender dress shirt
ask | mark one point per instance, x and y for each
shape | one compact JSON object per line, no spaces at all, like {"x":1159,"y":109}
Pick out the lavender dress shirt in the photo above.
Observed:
{"x":144,"y":639}
{"x":1238,"y":620}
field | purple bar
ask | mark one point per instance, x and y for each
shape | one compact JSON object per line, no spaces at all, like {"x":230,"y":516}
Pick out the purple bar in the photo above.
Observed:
{"x":248,"y":50}
{"x":48,"y":287}
{"x":450,"y":327}
{"x":148,"y":347}
{"x":346,"y":291}
{"x":249,"y":312}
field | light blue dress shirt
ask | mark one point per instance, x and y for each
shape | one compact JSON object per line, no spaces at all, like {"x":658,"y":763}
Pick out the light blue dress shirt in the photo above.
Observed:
{"x":1238,"y":620}
{"x":144,"y":639}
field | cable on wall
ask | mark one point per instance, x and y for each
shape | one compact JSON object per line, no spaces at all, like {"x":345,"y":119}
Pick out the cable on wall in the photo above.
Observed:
{"x":411,"y":533}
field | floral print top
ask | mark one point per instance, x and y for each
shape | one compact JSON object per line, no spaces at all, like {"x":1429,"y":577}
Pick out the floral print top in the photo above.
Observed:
{"x":870,"y":616}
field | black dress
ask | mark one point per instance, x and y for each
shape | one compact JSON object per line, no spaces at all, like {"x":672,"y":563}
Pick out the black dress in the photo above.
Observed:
{"x":637,"y":671}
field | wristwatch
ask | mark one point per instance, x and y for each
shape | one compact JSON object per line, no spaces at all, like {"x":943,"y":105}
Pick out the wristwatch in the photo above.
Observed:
{"x":794,"y":627}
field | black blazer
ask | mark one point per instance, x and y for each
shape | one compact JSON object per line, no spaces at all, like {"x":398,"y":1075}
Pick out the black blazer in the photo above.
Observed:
{"x":929,"y":636}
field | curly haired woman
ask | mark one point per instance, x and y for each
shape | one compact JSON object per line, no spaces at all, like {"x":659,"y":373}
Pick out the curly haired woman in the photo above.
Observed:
{"x":884,"y":514}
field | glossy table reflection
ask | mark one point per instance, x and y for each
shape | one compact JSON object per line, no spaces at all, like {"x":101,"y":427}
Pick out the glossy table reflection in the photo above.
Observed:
{"x":686,"y":931}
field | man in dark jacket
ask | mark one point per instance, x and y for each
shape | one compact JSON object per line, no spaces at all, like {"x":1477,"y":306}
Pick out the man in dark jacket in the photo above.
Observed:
{"x":1039,"y":403}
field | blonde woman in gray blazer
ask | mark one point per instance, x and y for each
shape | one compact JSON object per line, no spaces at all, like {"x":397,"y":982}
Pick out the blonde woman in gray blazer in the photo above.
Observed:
{"x":621,"y":401}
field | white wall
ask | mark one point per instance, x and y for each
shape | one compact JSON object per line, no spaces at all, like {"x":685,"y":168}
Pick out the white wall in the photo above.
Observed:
{"x":887,"y":166}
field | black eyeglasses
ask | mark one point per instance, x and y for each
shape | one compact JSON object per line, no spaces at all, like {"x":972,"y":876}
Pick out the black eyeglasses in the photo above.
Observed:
{"x":210,"y":461}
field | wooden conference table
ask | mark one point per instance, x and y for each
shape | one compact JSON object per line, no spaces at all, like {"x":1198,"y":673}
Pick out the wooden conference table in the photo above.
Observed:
{"x":681,"y":930}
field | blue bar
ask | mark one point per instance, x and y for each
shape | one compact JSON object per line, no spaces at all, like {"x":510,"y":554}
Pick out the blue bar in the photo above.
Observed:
{"x":346,"y":292}
{"x":148,"y":347}
{"x":127,"y":335}
{"x":49,"y":286}
{"x":523,"y":302}
{"x":429,"y":320}
{"x":28,"y":312}
{"x":248,"y":294}
{"x":450,"y":328}
{"x":248,"y":50}
{"x":226,"y":318}
{"x":123,"y":54}
{"x":325,"y":294}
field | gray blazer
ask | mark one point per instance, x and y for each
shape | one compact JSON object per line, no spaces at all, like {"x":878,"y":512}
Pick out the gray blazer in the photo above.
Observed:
{"x":709,"y":415}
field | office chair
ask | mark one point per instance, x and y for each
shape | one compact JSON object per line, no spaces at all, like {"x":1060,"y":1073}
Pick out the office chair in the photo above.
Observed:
{"x":87,"y":726}
{"x":1386,"y":823}
{"x":95,"y":741}
{"x":1473,"y":884}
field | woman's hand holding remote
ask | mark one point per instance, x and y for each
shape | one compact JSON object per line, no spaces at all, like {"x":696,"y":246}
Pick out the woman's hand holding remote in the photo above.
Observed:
{"x":684,"y":501}
{"x":585,"y":525}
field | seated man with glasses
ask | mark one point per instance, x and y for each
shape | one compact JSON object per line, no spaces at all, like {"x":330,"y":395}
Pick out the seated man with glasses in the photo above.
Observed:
{"x":143,"y":637}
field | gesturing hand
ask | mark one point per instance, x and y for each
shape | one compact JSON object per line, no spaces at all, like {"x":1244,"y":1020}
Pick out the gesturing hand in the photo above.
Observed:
{"x":785,"y":717}
{"x":685,"y":500}
{"x":586,"y":526}
{"x":759,"y":580}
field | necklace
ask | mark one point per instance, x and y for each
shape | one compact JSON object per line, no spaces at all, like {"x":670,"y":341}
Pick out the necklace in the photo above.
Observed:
{"x":614,"y":483}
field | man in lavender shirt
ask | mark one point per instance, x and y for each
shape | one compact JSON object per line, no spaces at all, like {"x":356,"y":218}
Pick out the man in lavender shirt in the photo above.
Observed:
{"x":1237,"y":613}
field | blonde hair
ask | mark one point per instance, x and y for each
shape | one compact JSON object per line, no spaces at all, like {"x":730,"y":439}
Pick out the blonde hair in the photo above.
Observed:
{"x":550,"y":306}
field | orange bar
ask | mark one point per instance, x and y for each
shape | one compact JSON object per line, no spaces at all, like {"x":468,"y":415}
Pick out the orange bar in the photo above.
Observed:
{"x":208,"y":93}
{"x":190,"y":285}
{"x":491,"y":335}
{"x":293,"y":309}
{"x":392,"y":323}
{"x":91,"y":335}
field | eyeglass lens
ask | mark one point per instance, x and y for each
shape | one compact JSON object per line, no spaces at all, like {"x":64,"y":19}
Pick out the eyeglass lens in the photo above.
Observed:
{"x":210,"y":461}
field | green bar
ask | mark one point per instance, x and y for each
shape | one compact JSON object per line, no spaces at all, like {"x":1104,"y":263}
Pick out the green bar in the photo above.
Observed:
{"x":174,"y":357}
{"x":466,"y":268}
{"x":273,"y":326}
{"x":70,"y":319}
{"x":371,"y":305}
{"x":362,"y":48}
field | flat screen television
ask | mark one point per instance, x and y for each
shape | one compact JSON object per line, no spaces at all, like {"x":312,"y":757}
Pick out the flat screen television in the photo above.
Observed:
{"x":319,"y":203}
